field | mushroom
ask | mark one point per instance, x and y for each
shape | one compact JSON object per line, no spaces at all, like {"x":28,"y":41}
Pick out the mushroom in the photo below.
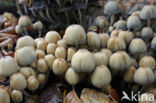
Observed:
{"x":147,"y":61}
{"x":137,"y":13}
{"x":101,"y":58}
{"x":129,"y":74}
{"x":18,"y":81}
{"x":72,"y":77}
{"x":93,"y":40}
{"x":112,"y":8}
{"x":83,"y":61}
{"x":116,"y":44}
{"x":75,"y":35}
{"x":115,"y":32}
{"x":133,"y":23}
{"x":147,"y":33}
{"x":60,"y":52}
{"x":144,"y":75}
{"x":59,"y":66}
{"x":70,"y":52}
{"x":62,"y":43}
{"x":153,"y":43}
{"x":49,"y":59}
{"x":8,"y":66}
{"x":137,"y":46}
{"x":51,"y":47}
{"x":38,"y":26}
{"x":110,"y":29}
{"x":134,"y":62}
{"x":4,"y":96}
{"x":126,"y":36}
{"x":25,"y":56}
{"x":52,"y":37}
{"x":33,"y":83}
{"x":25,"y":41}
{"x":42,"y":65}
{"x":121,"y":24}
{"x":148,"y":13}
{"x":25,"y":71}
{"x":40,"y":54}
{"x":119,"y":61}
{"x":18,"y":29}
{"x":42,"y":45}
{"x":107,"y":52}
{"x":103,"y":73}
{"x":41,"y":78}
{"x":17,"y":96}
{"x":103,"y":40}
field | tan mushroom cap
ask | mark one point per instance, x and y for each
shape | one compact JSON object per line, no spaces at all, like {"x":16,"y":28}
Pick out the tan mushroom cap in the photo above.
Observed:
{"x":4,"y":96}
{"x":24,"y":21}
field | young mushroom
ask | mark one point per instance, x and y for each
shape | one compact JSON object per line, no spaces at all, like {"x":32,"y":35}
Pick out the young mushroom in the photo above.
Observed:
{"x":33,"y":83}
{"x":38,"y":26}
{"x":51,"y":47}
{"x":107,"y":52}
{"x":8,"y":66}
{"x":116,"y":44}
{"x":25,"y":71}
{"x":17,"y":96}
{"x":52,"y":37}
{"x":121,"y":24}
{"x":59,"y":66}
{"x":40,"y":54}
{"x":119,"y":61}
{"x":18,"y":29}
{"x":49,"y":59}
{"x":42,"y":45}
{"x":70,"y":52}
{"x":25,"y":56}
{"x":147,"y":61}
{"x":42,"y":65}
{"x":153,"y":43}
{"x":101,"y":76}
{"x":75,"y":35}
{"x":103,"y":40}
{"x":4,"y":96}
{"x":60,"y":52}
{"x":18,"y":81}
{"x":62,"y":43}
{"x":129,"y":74}
{"x":134,"y":62}
{"x":126,"y":36}
{"x":83,"y":61}
{"x":101,"y":58}
{"x":147,"y":33}
{"x":41,"y":78}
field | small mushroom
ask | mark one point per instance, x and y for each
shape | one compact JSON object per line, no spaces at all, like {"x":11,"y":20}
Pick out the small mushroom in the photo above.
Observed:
{"x":17,"y":96}
{"x":104,"y":74}
{"x":70,"y":52}
{"x":25,"y":71}
{"x":18,"y":81}
{"x":62,"y":43}
{"x":107,"y":52}
{"x":41,"y":78}
{"x":144,"y":75}
{"x":25,"y":41}
{"x":75,"y":35}
{"x":25,"y":56}
{"x":83,"y":61}
{"x":60,"y":52}
{"x":133,"y":23}
{"x":42,"y":45}
{"x":40,"y":54}
{"x":38,"y":26}
{"x":49,"y":59}
{"x":126,"y":36}
{"x":18,"y":29}
{"x":4,"y":96}
{"x":147,"y":33}
{"x":121,"y":24}
{"x":51,"y":47}
{"x":103,"y":40}
{"x":72,"y":77}
{"x":101,"y":58}
{"x":134,"y":62}
{"x":119,"y":61}
{"x":116,"y":44}
{"x":52,"y":37}
{"x":153,"y":43}
{"x":115,"y":32}
{"x":129,"y":74}
{"x":147,"y":61}
{"x":59,"y":66}
{"x":8,"y":66}
{"x":33,"y":83}
{"x":42,"y":65}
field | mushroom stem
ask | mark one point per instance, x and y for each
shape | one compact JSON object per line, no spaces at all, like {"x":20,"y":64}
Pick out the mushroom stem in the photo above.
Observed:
{"x":48,"y":15}
{"x":40,"y":31}
{"x":112,"y":18}
{"x":148,"y":22}
{"x":42,"y":15}
{"x":25,"y":8}
{"x":58,"y":2}
{"x":71,"y":1}
{"x":33,"y":12}
{"x":80,"y":16}
{"x":18,"y":8}
{"x":25,"y":31}
{"x":86,"y":2}
{"x":67,"y":17}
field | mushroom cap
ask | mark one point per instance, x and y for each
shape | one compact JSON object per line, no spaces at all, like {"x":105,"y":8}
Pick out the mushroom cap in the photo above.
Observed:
{"x":62,"y":43}
{"x":137,"y":46}
{"x":121,"y":24}
{"x":147,"y":61}
{"x":72,"y":77}
{"x":126,"y":36}
{"x":60,"y":52}
{"x":18,"y":29}
{"x":25,"y":71}
{"x":24,"y":21}
{"x":93,"y":40}
{"x":59,"y":66}
{"x":134,"y":22}
{"x":134,"y":63}
{"x":18,"y":81}
{"x":38,"y":25}
{"x":83,"y":61}
{"x":153,"y":43}
{"x":8,"y":66}
{"x":137,"y":13}
{"x":25,"y":56}
{"x":70,"y":52}
{"x":25,"y":41}
{"x":52,"y":37}
{"x":42,"y":65}
{"x":148,"y":12}
{"x":49,"y":59}
{"x":75,"y":35}
{"x":119,"y":61}
{"x":116,"y":44}
{"x":101,"y":76}
{"x":147,"y":33}
{"x":112,"y":7}
{"x":129,"y":74}
{"x":115,"y":32}
{"x":144,"y":75}
{"x":40,"y":54}
{"x":103,"y":39}
{"x":51,"y":48}
{"x":101,"y":21}
{"x":4,"y":96}
{"x":33,"y":83}
{"x":42,"y":45}
{"x":107,"y":52}
{"x":17,"y":96}
{"x":101,"y":58}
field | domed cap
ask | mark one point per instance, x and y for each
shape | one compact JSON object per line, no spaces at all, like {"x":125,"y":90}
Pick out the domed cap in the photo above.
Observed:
{"x":112,"y":7}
